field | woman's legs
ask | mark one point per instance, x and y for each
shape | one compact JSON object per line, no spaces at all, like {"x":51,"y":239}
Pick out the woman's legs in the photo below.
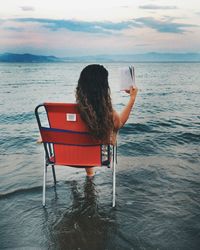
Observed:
{"x":90,"y":171}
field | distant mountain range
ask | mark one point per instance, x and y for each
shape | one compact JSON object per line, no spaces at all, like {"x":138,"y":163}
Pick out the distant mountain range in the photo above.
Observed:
{"x":147,"y":57}
{"x":10,"y":57}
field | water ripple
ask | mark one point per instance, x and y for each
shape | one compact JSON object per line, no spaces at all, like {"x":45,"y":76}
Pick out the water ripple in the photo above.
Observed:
{"x":18,"y":118}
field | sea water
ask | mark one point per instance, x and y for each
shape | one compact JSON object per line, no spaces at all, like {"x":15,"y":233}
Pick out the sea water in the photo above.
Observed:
{"x":158,"y":170}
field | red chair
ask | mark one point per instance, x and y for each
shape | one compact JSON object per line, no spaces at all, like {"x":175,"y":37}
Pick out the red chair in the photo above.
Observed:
{"x":67,"y":141}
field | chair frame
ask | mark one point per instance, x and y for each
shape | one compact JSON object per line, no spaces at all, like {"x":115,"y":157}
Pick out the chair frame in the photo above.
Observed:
{"x":49,"y":153}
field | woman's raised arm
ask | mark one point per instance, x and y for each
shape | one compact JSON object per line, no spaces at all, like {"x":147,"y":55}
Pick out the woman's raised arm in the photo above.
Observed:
{"x":120,"y":119}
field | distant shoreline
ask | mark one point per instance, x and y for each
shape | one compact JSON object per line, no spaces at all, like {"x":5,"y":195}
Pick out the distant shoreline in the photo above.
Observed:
{"x":152,"y":57}
{"x":129,"y":62}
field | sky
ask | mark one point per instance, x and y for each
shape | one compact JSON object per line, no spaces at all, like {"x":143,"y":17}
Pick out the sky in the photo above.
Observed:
{"x":91,"y":27}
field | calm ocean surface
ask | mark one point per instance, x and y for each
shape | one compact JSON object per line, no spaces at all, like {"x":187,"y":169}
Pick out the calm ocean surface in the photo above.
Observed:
{"x":158,"y":171}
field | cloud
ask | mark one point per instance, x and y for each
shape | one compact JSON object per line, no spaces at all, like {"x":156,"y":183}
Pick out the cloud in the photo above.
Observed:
{"x":157,"y":7}
{"x":142,"y":44}
{"x":164,"y":26}
{"x":27,"y":8}
{"x":18,"y":29}
{"x":124,"y":6}
{"x":81,"y":26}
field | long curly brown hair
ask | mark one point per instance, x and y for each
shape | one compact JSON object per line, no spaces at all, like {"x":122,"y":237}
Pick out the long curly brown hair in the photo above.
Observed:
{"x":94,"y":101}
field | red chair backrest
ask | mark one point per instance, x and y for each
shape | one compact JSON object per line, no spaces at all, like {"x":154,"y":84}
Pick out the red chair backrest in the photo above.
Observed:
{"x":72,"y":143}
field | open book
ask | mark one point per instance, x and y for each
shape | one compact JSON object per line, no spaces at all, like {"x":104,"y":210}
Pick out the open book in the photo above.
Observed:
{"x":127,"y":78}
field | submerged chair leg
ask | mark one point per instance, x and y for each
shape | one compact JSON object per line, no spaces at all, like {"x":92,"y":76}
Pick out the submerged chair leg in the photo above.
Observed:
{"x":54,"y":174}
{"x":114,"y":175}
{"x":44,"y":181}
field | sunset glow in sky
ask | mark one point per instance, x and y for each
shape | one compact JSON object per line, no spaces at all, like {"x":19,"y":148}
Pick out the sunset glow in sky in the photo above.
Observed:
{"x":70,"y":28}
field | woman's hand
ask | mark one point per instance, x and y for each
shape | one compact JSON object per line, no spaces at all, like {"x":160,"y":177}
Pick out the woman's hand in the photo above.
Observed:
{"x":39,"y":140}
{"x":132,"y":91}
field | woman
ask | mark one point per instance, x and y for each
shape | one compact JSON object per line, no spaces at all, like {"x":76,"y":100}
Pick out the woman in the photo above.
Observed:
{"x":95,"y":106}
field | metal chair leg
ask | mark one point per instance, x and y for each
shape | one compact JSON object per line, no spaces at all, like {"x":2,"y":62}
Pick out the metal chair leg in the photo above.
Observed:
{"x":54,"y":174}
{"x":114,"y":176}
{"x":44,"y":181}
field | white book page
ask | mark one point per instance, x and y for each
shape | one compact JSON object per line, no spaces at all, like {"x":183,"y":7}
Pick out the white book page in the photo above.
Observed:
{"x":127,"y":78}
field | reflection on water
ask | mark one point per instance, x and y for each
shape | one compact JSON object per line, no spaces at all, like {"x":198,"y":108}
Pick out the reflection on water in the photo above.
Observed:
{"x":72,"y":219}
{"x":157,"y":208}
{"x":82,"y":226}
